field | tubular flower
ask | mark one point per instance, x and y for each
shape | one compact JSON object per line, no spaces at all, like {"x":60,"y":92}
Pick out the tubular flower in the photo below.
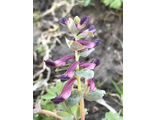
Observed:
{"x":87,"y":65}
{"x":84,"y":21}
{"x":89,"y":44}
{"x":69,"y":73}
{"x":66,"y":91}
{"x":90,"y":82}
{"x":58,"y":63}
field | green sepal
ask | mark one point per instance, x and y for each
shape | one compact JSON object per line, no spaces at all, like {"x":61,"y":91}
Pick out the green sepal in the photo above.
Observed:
{"x":86,"y":53}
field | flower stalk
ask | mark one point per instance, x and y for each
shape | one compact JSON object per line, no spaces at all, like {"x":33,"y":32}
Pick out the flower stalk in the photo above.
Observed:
{"x":50,"y":113}
{"x":79,"y":88}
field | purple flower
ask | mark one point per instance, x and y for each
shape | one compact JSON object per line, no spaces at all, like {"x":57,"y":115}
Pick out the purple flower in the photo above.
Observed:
{"x":84,"y":21}
{"x":66,"y":91}
{"x":86,"y":43}
{"x":90,"y":82}
{"x":64,"y":21}
{"x":89,"y":44}
{"x":60,"y":62}
{"x":69,"y":73}
{"x":96,"y":61}
{"x":87,"y":65}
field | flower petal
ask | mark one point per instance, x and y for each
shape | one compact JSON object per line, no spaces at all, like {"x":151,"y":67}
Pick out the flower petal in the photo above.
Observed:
{"x":69,"y":73}
{"x":86,"y":43}
{"x":87,"y":65}
{"x":84,"y":21}
{"x":58,"y":63}
{"x":96,"y":61}
{"x":66,"y":91}
{"x":90,"y":82}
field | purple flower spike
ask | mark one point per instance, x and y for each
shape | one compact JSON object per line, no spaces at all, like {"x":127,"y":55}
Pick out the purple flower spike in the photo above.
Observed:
{"x":97,"y":42}
{"x":87,"y":65}
{"x":69,"y":73}
{"x":66,"y":91}
{"x":90,"y":82}
{"x":96,"y":61}
{"x":84,"y":21}
{"x":58,"y":63}
{"x":86,"y":43}
{"x":64,"y":21}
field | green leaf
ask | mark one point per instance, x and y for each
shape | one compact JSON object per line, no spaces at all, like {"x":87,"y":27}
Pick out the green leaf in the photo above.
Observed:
{"x":115,"y":85}
{"x":94,"y":95}
{"x":112,"y":116}
{"x":67,"y":118}
{"x":77,"y":19}
{"x":69,"y":42}
{"x":85,"y":110}
{"x":86,"y":73}
{"x":44,"y":102}
{"x":65,"y":115}
{"x":107,"y":2}
{"x":109,"y":116}
{"x":58,"y":91}
{"x":63,"y":107}
{"x":52,"y":118}
{"x":86,"y":53}
{"x":71,"y":25}
{"x":49,"y":106}
{"x":48,"y":96}
{"x":51,"y":91}
{"x":62,"y":68}
{"x":59,"y":85}
{"x":74,"y":98}
{"x":115,"y":4}
{"x":86,"y":3}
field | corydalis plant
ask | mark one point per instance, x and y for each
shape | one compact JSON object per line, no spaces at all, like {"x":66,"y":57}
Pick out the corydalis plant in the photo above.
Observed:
{"x":74,"y":71}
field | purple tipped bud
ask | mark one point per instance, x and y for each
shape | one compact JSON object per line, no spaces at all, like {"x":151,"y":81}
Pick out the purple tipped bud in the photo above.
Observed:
{"x":97,"y":42}
{"x":63,"y":78}
{"x":64,"y":21}
{"x":58,"y":100}
{"x":96,"y":61}
{"x":92,"y":29}
{"x":49,"y":63}
{"x":84,"y":21}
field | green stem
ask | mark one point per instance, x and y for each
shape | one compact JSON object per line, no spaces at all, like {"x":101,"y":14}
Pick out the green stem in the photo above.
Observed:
{"x":79,"y":88}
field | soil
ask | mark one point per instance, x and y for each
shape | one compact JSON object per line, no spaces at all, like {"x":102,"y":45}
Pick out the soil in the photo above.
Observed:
{"x":107,"y":25}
